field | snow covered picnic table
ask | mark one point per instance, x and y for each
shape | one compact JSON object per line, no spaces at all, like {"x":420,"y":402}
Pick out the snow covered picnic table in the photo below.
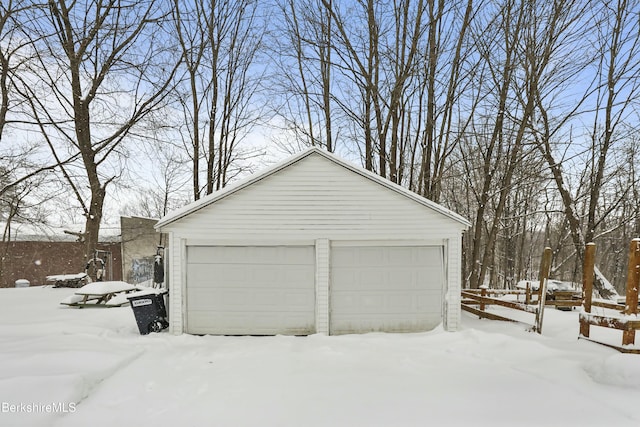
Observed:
{"x":108,"y":294}
{"x":67,"y":280}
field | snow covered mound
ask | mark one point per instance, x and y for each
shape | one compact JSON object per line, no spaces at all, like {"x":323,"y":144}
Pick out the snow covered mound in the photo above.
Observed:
{"x":603,"y":287}
{"x":64,"y":367}
{"x":618,"y":370}
{"x":552,"y":285}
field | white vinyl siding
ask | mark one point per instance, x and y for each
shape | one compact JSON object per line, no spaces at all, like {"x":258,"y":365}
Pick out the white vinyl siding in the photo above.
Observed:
{"x":315,"y":200}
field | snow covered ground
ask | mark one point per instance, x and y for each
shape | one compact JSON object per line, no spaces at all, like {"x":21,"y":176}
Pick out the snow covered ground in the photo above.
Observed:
{"x":63,"y":366}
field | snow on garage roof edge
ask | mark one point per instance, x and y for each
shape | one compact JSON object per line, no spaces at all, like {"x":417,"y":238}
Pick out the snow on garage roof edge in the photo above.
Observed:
{"x":218,"y":195}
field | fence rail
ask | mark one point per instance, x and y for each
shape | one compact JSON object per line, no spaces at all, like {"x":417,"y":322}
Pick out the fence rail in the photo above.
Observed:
{"x":476,"y":301}
{"x":484,"y":300}
{"x":628,"y":321}
{"x":481,"y":298}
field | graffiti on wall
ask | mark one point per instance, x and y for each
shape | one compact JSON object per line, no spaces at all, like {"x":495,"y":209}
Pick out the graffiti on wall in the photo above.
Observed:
{"x":141,"y":270}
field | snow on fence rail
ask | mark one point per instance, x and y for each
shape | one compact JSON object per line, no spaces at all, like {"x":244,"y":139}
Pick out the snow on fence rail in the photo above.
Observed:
{"x":481,"y":298}
{"x":628,"y":322}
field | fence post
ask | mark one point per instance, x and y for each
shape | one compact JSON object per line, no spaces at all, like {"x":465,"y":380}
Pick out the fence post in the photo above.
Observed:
{"x":587,"y":285}
{"x":483,"y":294}
{"x":527,"y":295}
{"x":545,"y":267}
{"x":633,"y":278}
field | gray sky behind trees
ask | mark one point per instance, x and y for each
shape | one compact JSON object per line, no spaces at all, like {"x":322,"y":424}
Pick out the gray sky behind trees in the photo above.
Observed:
{"x":521,"y":115}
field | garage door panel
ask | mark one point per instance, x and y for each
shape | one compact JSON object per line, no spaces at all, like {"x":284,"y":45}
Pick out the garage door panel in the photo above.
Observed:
{"x":234,"y":300}
{"x":251,"y":290}
{"x":384,"y":302}
{"x":236,"y":324}
{"x":409,"y":256}
{"x":384,"y":279}
{"x":249,"y":275}
{"x":430,"y":298}
{"x":392,"y":289}
{"x":393,"y":322}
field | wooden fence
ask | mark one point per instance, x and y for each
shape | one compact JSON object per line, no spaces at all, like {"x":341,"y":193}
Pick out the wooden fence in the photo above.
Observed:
{"x":628,"y":321}
{"x":481,"y":298}
{"x":476,"y":300}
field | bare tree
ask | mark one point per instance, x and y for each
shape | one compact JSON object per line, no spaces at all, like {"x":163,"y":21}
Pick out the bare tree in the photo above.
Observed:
{"x":164,"y":188}
{"x":501,"y":64}
{"x":20,"y":206}
{"x":442,"y":124}
{"x":158,"y":180}
{"x":378,"y":50}
{"x":537,"y":37}
{"x":19,"y":163}
{"x":11,"y":52}
{"x":102,"y":68}
{"x":220,"y":43}
{"x":188,"y":24}
{"x":608,"y":100}
{"x":302,"y":49}
{"x":462,"y":101}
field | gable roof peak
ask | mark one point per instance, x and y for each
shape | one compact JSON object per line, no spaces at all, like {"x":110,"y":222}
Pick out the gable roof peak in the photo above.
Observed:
{"x":258,"y":176}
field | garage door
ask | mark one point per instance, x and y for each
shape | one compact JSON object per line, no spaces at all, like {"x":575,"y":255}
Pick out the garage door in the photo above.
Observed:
{"x":250,"y":290}
{"x":389,"y":289}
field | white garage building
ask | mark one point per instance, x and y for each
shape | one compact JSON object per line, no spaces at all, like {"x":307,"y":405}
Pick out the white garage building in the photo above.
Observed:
{"x":313,"y":245}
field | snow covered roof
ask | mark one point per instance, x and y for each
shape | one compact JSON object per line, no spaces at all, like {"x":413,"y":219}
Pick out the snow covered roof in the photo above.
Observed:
{"x":49,"y":233}
{"x":218,"y":195}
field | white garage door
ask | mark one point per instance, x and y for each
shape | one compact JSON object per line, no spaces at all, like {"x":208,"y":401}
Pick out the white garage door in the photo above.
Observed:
{"x":387,"y":289}
{"x":251,"y":290}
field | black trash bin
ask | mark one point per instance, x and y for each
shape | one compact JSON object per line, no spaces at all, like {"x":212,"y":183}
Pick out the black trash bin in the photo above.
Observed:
{"x":150,"y":312}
